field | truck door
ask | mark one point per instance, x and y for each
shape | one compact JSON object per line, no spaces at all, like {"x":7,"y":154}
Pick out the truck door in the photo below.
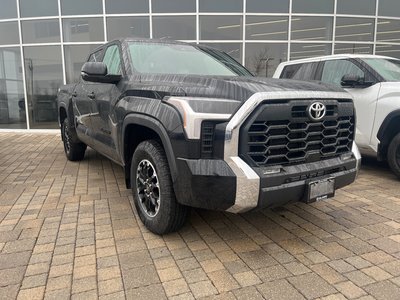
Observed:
{"x":103,"y":97}
{"x":365,"y":98}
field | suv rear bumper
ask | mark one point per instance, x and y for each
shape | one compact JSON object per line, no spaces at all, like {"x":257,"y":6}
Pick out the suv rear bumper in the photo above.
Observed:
{"x":235,"y":187}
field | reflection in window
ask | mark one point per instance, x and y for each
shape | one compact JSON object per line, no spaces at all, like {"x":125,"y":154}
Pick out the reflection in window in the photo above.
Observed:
{"x":128,"y":27}
{"x":38,"y":8}
{"x":173,"y":6}
{"x":40,"y":31}
{"x":353,"y":49}
{"x":221,"y":6}
{"x":8,"y":9}
{"x":313,"y":6}
{"x":263,"y":59}
{"x":233,"y":49}
{"x":127,"y":6}
{"x":43,"y":76}
{"x":388,"y":50}
{"x":388,"y":31}
{"x":12,"y":102}
{"x":312,"y":28}
{"x":175,"y":27}
{"x":81,"y":7}
{"x":221,"y":27}
{"x":389,"y":8}
{"x":9,"y":33}
{"x":83,"y":29}
{"x":112,"y":60}
{"x":355,"y":29}
{"x":75,"y":56}
{"x":267,"y":28}
{"x":267,"y":6}
{"x":356,"y":7}
{"x":298,"y":51}
{"x":334,"y":70}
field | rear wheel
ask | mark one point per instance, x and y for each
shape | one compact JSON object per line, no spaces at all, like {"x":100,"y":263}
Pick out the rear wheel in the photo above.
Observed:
{"x":153,"y":194}
{"x":394,"y":155}
{"x":74,"y":151}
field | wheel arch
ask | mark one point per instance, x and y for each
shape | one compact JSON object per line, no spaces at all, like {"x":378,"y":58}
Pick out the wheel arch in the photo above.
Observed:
{"x":389,"y":128}
{"x":138,"y":128}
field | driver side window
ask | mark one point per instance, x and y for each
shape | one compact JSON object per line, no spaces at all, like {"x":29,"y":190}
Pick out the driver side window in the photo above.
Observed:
{"x":112,"y":60}
{"x":334,"y":70}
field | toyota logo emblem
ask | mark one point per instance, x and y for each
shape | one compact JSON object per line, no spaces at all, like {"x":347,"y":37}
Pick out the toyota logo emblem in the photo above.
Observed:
{"x":316,"y":111}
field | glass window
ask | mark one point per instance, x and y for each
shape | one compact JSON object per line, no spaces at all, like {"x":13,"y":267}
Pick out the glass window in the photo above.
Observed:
{"x":43,"y":76}
{"x":173,"y":6}
{"x":127,"y":6}
{"x":9,"y":33}
{"x":221,"y":6}
{"x":263,"y":59}
{"x":298,"y":51}
{"x":312,"y":28}
{"x":12,"y":101}
{"x":267,"y":6}
{"x":355,"y":29}
{"x":83,"y":30}
{"x":221,"y":27}
{"x":388,"y":50}
{"x":8,"y":9}
{"x":334,"y":70}
{"x":97,"y":56}
{"x":313,"y":6}
{"x":81,"y":7}
{"x":303,"y":72}
{"x":389,"y":8}
{"x":113,"y":60}
{"x":356,"y":7}
{"x":38,"y":8}
{"x":175,"y":27}
{"x":75,"y":56}
{"x":40,"y":31}
{"x":232,"y":49}
{"x":387,"y":68}
{"x":388,"y":31}
{"x":267,"y":28}
{"x":353,"y":49}
{"x":128,"y":27}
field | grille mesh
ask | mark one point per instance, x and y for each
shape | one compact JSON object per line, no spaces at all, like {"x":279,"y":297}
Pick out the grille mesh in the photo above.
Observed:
{"x":207,"y":137}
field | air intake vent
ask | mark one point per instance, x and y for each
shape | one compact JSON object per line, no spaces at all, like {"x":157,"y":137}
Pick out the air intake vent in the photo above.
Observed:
{"x":207,"y":137}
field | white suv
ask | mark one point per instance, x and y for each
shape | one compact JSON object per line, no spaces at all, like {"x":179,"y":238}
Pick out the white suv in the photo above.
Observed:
{"x":374,"y":83}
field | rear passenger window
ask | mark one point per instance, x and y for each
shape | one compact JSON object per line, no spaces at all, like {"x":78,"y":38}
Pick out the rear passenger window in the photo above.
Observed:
{"x":334,"y":70}
{"x":300,"y":71}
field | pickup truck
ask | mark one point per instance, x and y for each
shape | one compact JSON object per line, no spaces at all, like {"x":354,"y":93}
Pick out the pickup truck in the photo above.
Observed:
{"x":373,"y":81}
{"x":193,"y":128}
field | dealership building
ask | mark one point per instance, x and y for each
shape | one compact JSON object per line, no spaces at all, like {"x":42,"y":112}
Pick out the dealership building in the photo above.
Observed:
{"x":43,"y":43}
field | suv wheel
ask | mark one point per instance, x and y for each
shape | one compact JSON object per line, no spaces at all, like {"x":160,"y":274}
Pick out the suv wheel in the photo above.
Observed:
{"x":73,"y":151}
{"x":153,"y":194}
{"x":394,"y":155}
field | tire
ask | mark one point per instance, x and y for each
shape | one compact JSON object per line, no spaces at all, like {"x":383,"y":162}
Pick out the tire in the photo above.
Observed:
{"x":394,"y":155}
{"x":74,"y":151}
{"x":152,"y":189}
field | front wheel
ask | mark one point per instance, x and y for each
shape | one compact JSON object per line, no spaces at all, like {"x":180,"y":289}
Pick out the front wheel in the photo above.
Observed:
{"x":394,"y":155}
{"x":153,"y":194}
{"x":74,"y":151}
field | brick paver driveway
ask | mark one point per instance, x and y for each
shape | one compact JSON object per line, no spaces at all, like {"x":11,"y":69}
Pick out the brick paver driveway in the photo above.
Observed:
{"x":67,"y":231}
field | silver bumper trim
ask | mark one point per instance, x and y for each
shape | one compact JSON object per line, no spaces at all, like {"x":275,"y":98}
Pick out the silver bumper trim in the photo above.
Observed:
{"x":248,"y":183}
{"x":357,"y":156}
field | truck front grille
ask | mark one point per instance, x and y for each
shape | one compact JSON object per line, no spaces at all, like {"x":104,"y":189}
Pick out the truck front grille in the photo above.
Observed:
{"x":296,"y":139}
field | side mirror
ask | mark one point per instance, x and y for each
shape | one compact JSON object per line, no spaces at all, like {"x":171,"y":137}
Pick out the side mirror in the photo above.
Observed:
{"x":97,"y":72}
{"x":354,"y":81}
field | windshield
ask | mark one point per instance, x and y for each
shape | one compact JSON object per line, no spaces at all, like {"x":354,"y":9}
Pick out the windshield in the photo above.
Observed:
{"x":388,"y":68}
{"x":160,"y":58}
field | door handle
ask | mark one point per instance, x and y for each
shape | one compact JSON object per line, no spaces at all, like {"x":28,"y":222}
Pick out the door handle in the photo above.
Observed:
{"x":91,"y":95}
{"x":74,"y":94}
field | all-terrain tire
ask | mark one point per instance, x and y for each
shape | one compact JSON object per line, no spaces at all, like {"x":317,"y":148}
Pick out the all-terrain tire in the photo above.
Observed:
{"x":153,"y":193}
{"x":73,"y":150}
{"x":394,"y":155}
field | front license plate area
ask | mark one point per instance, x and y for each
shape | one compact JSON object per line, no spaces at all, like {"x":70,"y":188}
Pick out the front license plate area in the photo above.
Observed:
{"x":320,"y":190}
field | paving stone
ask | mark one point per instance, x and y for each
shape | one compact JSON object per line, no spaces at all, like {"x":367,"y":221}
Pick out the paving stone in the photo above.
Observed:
{"x":202,"y":289}
{"x":350,"y":290}
{"x":195,"y":275}
{"x":32,"y":293}
{"x":154,"y":291}
{"x":11,"y":276}
{"x":311,"y":285}
{"x":247,"y":278}
{"x":141,"y":276}
{"x":384,"y":290}
{"x":175,"y":287}
{"x":279,"y":289}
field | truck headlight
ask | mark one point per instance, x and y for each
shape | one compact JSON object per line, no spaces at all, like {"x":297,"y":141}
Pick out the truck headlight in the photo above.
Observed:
{"x":195,"y":110}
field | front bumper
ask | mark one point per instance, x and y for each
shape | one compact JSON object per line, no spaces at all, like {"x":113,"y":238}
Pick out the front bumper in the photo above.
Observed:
{"x":216,"y":185}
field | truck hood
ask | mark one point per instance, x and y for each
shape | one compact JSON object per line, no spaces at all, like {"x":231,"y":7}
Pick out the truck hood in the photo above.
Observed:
{"x":237,"y":88}
{"x":390,"y":89}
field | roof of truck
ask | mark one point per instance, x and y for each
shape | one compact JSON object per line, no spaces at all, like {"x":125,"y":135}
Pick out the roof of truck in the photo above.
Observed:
{"x":335,"y":56}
